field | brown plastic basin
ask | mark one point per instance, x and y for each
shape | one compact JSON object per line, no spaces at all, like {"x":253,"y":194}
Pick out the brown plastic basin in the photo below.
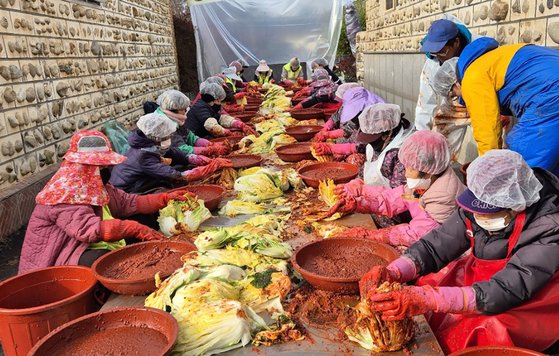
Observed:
{"x":254,"y":101}
{"x":211,"y":194}
{"x":495,"y":350}
{"x":245,"y":116}
{"x":339,"y":172}
{"x":303,"y":132}
{"x":131,"y":269}
{"x":120,"y":331}
{"x":308,"y":114}
{"x":328,"y":113}
{"x":244,"y":161}
{"x":33,"y":304}
{"x":337,"y":264}
{"x":295,"y":152}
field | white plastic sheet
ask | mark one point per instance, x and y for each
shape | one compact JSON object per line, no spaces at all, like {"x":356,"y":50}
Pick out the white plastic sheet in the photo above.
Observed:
{"x":275,"y":30}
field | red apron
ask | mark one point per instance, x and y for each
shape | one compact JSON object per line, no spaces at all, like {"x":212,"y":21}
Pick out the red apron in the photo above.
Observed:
{"x":532,"y":325}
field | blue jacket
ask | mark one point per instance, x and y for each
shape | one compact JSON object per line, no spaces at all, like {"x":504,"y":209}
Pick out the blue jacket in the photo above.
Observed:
{"x":144,"y":164}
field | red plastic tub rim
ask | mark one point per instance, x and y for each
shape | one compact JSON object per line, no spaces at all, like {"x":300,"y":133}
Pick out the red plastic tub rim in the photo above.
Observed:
{"x":83,"y":271}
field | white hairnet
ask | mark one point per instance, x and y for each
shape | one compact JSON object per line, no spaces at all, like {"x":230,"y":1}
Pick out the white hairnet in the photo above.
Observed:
{"x":173,"y":100}
{"x":294,"y":63}
{"x":425,"y":151}
{"x":321,"y":62}
{"x":445,"y":77}
{"x":215,"y":90}
{"x":345,"y":87}
{"x":215,"y":79}
{"x":156,"y":125}
{"x":378,"y":118}
{"x":502,"y":178}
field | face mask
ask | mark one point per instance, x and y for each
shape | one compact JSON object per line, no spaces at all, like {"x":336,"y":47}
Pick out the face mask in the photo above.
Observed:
{"x":216,"y":108}
{"x":164,"y":145}
{"x":418,"y":183}
{"x":492,"y":225}
{"x":105,"y":175}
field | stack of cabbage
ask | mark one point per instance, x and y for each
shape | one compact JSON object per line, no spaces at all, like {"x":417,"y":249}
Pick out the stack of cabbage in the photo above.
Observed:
{"x":179,"y":216}
{"x":272,"y":134}
{"x":275,"y":100}
{"x":230,"y":291}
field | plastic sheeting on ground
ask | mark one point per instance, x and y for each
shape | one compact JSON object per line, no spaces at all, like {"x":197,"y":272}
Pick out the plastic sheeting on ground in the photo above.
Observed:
{"x":274,"y":30}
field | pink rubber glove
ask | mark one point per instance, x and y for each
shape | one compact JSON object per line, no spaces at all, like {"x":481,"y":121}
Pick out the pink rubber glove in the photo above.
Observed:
{"x":296,"y":108}
{"x":332,"y":135}
{"x":198,"y":160}
{"x":202,"y":142}
{"x":352,"y":189}
{"x":343,"y":149}
{"x":200,"y":150}
{"x":412,"y":300}
{"x":321,"y":136}
{"x":329,"y":125}
{"x":322,"y":149}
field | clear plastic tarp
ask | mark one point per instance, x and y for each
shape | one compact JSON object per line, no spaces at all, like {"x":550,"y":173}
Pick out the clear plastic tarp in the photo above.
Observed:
{"x":274,"y":30}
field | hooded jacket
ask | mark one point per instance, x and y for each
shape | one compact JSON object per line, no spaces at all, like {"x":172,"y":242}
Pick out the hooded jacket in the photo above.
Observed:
{"x":534,"y":260}
{"x":144,"y":164}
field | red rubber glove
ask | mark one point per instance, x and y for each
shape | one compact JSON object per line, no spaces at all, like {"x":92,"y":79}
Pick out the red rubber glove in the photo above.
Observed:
{"x":150,"y":203}
{"x":202,"y":142}
{"x":198,"y":160}
{"x":301,"y":81}
{"x":115,"y":229}
{"x":227,"y":133}
{"x":343,"y":149}
{"x":372,"y":279}
{"x":344,"y":205}
{"x":200,"y":172}
{"x":296,"y":107}
{"x":322,"y":149}
{"x":247,"y":130}
{"x":239,"y":96}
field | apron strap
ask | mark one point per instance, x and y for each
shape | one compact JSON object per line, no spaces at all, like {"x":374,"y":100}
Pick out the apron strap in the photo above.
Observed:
{"x":470,"y":233}
{"x":515,"y":236}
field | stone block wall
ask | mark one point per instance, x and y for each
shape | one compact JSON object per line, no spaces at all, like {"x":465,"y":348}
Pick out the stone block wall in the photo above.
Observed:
{"x":67,"y":66}
{"x":397,"y":26}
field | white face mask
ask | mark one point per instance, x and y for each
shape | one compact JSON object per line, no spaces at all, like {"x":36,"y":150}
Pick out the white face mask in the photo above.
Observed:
{"x":164,"y":145}
{"x":418,"y":183}
{"x":492,"y":225}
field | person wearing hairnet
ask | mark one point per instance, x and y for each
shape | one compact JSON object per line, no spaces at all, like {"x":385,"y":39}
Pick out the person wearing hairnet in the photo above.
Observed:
{"x":175,"y":105}
{"x":79,"y":216}
{"x":292,"y":71}
{"x":322,"y":92}
{"x":239,"y":70}
{"x":354,"y":102}
{"x":321,"y":63}
{"x":205,"y":119}
{"x":514,"y":79}
{"x":445,"y":39}
{"x":263,"y":74}
{"x":231,"y":81}
{"x":151,"y":159}
{"x":506,"y":291}
{"x":450,"y":118}
{"x":334,"y":128}
{"x":429,"y":194}
{"x":213,"y":79}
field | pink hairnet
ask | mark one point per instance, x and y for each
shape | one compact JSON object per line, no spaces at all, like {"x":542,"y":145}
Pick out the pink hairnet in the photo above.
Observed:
{"x":425,"y":151}
{"x":502,"y":178}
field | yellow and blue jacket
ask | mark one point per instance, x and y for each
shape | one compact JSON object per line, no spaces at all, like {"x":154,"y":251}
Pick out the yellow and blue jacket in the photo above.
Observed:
{"x":520,"y":80}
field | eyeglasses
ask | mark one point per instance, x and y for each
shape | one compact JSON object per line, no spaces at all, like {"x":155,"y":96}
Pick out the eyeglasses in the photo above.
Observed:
{"x":442,"y":53}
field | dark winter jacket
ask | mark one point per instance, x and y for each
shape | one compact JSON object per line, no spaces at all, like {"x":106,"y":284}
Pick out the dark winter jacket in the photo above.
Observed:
{"x":144,"y":164}
{"x":197,"y":116}
{"x":535,"y":257}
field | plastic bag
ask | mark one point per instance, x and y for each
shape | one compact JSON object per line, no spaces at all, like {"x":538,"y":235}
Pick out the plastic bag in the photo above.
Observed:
{"x":452,"y":120}
{"x":118,"y":135}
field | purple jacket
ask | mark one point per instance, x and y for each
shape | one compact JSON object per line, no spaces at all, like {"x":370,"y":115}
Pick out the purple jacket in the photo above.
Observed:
{"x":59,"y":234}
{"x":144,"y":164}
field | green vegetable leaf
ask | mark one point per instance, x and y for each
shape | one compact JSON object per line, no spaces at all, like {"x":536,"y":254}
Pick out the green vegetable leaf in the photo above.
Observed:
{"x":262,"y":279}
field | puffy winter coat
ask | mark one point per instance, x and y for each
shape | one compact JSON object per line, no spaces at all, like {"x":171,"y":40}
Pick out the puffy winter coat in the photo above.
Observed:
{"x":534,"y":260}
{"x":59,"y":234}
